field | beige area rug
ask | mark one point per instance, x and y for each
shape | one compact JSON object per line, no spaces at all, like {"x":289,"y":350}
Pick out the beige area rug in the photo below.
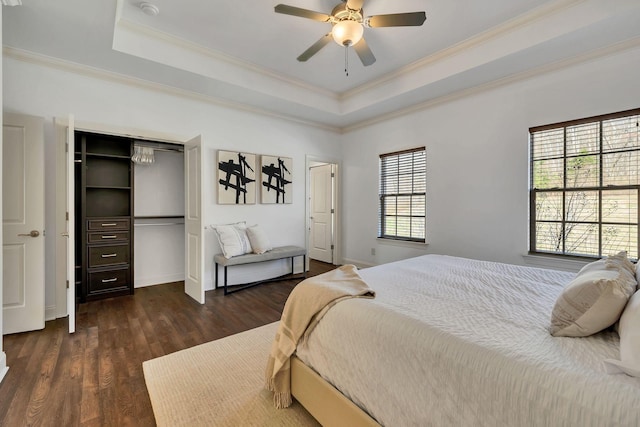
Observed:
{"x":219,"y":383}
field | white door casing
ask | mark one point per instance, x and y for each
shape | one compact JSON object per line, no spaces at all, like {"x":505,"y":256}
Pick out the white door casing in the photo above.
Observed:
{"x":23,"y":223}
{"x":70,"y":233}
{"x":194,"y":242}
{"x":321,"y":213}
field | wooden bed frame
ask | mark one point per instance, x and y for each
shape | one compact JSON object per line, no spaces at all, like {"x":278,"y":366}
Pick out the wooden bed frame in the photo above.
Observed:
{"x":323,"y":401}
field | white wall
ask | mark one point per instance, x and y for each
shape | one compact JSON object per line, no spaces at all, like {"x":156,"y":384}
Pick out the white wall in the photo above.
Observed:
{"x":477,"y":160}
{"x":158,"y":244}
{"x":477,"y":152}
{"x":159,"y":187}
{"x":40,"y":90}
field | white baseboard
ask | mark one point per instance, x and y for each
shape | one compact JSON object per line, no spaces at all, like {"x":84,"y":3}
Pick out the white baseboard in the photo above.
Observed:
{"x":3,"y":365}
{"x":50,"y":313}
{"x":357,"y":263}
{"x":141,"y":282}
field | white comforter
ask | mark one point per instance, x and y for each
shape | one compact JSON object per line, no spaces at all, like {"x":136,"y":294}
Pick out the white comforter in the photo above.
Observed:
{"x":456,"y":342}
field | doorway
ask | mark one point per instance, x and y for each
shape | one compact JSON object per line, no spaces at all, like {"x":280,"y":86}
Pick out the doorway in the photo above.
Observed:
{"x":322,"y":210}
{"x":193,"y":234}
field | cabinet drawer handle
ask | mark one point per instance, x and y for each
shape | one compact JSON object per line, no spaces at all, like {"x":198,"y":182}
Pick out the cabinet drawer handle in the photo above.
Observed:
{"x":109,"y":280}
{"x":108,"y":255}
{"x":110,"y":224}
{"x":109,"y":237}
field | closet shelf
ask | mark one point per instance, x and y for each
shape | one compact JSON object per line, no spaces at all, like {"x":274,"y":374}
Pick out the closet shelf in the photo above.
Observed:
{"x":156,"y":220}
{"x":108,"y":156}
{"x":108,"y":187}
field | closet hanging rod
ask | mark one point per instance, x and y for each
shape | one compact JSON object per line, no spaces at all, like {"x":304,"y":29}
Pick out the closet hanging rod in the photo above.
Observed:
{"x":173,"y":150}
{"x":154,"y":224}
{"x":160,"y":147}
{"x":158,"y":216}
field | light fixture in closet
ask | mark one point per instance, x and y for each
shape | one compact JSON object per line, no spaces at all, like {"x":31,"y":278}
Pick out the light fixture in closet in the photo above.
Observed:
{"x":142,"y":155}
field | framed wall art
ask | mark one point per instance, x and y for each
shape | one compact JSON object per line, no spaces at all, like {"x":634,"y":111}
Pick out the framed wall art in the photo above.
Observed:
{"x":277,"y":179}
{"x":236,"y":178}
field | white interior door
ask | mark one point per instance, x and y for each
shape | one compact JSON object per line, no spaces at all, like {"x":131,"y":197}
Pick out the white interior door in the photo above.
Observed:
{"x":70,"y":233}
{"x":321,"y":214}
{"x":23,"y":223}
{"x":194,"y":242}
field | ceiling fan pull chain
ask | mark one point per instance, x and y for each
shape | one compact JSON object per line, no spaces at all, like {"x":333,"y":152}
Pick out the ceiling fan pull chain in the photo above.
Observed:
{"x":346,"y":60}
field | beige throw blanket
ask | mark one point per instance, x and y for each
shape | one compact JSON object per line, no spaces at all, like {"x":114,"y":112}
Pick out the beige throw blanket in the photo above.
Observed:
{"x":306,"y":305}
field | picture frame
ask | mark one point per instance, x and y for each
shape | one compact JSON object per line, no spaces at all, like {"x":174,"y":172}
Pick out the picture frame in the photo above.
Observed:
{"x":236,"y":178}
{"x":277,"y":179}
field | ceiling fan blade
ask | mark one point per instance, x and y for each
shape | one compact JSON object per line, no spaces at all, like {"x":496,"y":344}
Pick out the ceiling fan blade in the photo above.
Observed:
{"x":355,"y":4}
{"x":412,"y":19}
{"x":315,"y":47}
{"x":303,"y":13}
{"x":364,"y":53}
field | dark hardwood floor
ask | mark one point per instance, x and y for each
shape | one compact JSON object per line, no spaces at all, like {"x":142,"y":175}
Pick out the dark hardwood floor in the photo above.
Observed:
{"x":94,"y":377}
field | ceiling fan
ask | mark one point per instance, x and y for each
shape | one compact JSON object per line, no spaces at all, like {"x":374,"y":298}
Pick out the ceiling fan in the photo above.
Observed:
{"x":348,"y":22}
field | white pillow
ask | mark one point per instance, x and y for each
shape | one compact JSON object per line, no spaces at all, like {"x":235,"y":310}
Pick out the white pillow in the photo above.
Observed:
{"x":259,"y":240}
{"x":233,"y":239}
{"x":595,"y":298}
{"x":629,"y":330}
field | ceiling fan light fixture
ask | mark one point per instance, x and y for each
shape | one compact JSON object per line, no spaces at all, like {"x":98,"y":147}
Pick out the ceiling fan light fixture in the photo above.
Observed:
{"x":347,"y":32}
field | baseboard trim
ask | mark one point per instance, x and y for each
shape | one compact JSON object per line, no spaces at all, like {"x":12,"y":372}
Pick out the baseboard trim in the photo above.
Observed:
{"x":51,"y":313}
{"x":158,"y":280}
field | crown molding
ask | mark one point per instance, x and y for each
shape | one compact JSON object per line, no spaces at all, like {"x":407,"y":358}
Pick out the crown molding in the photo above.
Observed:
{"x":43,"y":60}
{"x":220,"y":56}
{"x":630,"y":44}
{"x":491,"y":34}
{"x":97,"y":73}
{"x":12,"y":2}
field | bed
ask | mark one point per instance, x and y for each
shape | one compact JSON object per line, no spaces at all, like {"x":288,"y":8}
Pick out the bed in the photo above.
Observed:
{"x":453,"y":341}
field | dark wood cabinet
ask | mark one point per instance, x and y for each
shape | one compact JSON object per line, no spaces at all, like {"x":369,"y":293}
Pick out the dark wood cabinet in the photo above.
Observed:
{"x":104,"y":209}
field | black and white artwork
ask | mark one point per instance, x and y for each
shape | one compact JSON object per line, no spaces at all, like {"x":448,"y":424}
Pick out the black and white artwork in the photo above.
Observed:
{"x":236,"y":178}
{"x":277,"y":180}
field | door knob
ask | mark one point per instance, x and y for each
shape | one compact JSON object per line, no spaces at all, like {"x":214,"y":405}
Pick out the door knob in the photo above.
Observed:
{"x":33,"y":233}
{"x":65,"y":234}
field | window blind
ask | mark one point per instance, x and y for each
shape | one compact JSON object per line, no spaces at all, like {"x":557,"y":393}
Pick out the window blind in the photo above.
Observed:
{"x":585,"y":186}
{"x":403,"y":182}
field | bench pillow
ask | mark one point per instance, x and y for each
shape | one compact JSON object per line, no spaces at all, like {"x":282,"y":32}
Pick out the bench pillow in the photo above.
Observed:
{"x":233,"y":239}
{"x":259,"y":240}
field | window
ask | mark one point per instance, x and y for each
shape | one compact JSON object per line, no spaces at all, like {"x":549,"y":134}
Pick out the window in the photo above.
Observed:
{"x":403,"y":200}
{"x":585,"y":186}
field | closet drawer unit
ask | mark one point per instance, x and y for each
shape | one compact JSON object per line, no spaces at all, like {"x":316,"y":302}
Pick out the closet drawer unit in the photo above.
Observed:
{"x":107,"y":281}
{"x":107,"y":237}
{"x":108,"y":255}
{"x":108,"y":224}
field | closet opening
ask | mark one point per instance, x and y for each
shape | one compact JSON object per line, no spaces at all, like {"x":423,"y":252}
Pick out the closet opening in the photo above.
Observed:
{"x":129,"y":214}
{"x":158,"y":218}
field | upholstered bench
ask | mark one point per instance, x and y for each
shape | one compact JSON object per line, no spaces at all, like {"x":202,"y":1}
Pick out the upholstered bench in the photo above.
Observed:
{"x":274,"y":254}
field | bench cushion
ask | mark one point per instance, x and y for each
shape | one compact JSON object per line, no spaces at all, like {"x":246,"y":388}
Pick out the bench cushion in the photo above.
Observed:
{"x":275,"y":253}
